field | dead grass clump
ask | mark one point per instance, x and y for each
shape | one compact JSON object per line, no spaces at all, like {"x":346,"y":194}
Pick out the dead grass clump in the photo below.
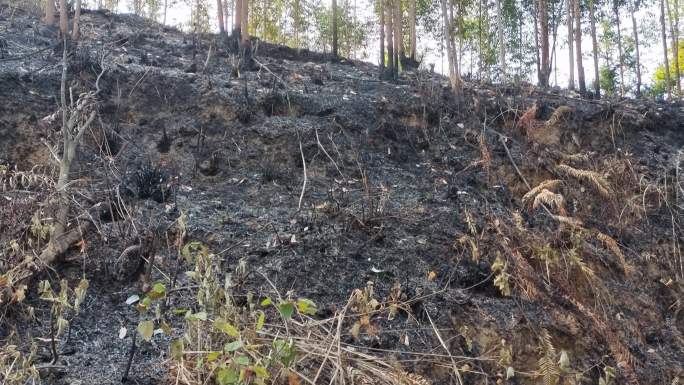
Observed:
{"x":593,"y":178}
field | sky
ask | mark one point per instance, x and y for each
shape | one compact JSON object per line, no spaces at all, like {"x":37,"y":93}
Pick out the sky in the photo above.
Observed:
{"x":430,"y":49}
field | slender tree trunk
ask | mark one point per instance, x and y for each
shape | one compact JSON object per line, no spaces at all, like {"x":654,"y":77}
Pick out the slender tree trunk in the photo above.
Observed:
{"x":480,"y":57}
{"x":382,"y":37}
{"x":244,"y":21}
{"x":578,"y":50}
{"x":63,"y":18}
{"x":502,"y":43}
{"x":297,"y":22}
{"x":571,"y":56}
{"x":616,"y":10}
{"x":638,"y":57}
{"x":219,"y":13}
{"x":412,"y":24}
{"x":453,"y":75}
{"x":166,"y":7}
{"x":389,"y":34}
{"x":334,"y":27}
{"x":398,"y":36}
{"x":544,"y":29}
{"x":668,"y":81}
{"x":237,"y":25}
{"x":594,"y":47}
{"x":50,"y":12}
{"x":535,"y":19}
{"x":75,"y":33}
{"x":673,"y":16}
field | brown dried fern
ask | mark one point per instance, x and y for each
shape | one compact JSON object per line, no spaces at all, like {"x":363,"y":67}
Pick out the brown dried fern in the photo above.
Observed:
{"x":593,"y":178}
{"x":560,"y":114}
{"x":551,"y":200}
{"x":613,"y":246}
{"x":549,"y":184}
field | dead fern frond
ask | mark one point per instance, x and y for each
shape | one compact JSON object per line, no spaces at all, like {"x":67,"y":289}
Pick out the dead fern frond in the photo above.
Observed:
{"x":528,"y":117}
{"x":550,"y":199}
{"x":403,"y":378}
{"x":547,"y":363}
{"x":549,"y":184}
{"x":560,"y":114}
{"x":573,"y":222}
{"x":612,"y":245}
{"x":593,"y":178}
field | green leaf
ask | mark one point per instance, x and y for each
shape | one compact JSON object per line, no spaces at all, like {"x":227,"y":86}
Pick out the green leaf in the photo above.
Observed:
{"x":158,"y":291}
{"x":226,"y":376}
{"x":286,"y":309}
{"x":177,"y":348}
{"x":226,"y":327}
{"x":232,"y":346}
{"x":306,"y":306}
{"x":260,"y":371}
{"x":200,"y":316}
{"x":213,"y":356}
{"x":284,"y":351}
{"x":180,"y":311}
{"x":261,"y":321}
{"x":146,"y":329}
{"x":267,"y":301}
{"x":242,"y":360}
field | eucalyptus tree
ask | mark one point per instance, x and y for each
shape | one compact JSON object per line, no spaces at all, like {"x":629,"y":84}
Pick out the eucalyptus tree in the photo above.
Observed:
{"x":578,"y":45}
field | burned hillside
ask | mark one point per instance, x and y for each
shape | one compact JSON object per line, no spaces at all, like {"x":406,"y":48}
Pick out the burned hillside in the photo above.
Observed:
{"x":513,"y":235}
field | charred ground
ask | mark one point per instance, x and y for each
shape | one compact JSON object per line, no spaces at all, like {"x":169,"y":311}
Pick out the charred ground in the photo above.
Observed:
{"x":404,"y":185}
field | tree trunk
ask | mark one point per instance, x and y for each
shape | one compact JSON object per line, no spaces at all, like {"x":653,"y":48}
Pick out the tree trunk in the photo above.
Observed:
{"x":50,"y":12}
{"x":571,"y":56}
{"x":544,"y":30}
{"x":63,"y":18}
{"x":382,"y":37}
{"x":502,"y":43}
{"x":673,"y":16}
{"x":668,"y":81}
{"x":616,"y":10}
{"x":412,"y":24}
{"x":535,"y":18}
{"x":166,"y":7}
{"x":451,"y":58}
{"x":219,"y":13}
{"x":297,"y":22}
{"x":334,"y":27}
{"x":398,"y":36}
{"x":594,"y":47}
{"x":389,"y":34}
{"x":244,"y":21}
{"x":77,"y":17}
{"x":480,"y":58}
{"x":578,"y":48}
{"x":237,"y":24}
{"x":638,"y":58}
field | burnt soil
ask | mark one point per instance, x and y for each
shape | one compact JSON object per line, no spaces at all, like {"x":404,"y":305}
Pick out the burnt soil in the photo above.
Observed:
{"x":404,"y":184}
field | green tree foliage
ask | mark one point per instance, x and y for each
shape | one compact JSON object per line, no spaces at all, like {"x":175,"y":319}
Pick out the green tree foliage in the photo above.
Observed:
{"x":659,"y":84}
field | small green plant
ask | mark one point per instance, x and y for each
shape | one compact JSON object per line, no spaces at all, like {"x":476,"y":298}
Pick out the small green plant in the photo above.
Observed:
{"x":227,"y":341}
